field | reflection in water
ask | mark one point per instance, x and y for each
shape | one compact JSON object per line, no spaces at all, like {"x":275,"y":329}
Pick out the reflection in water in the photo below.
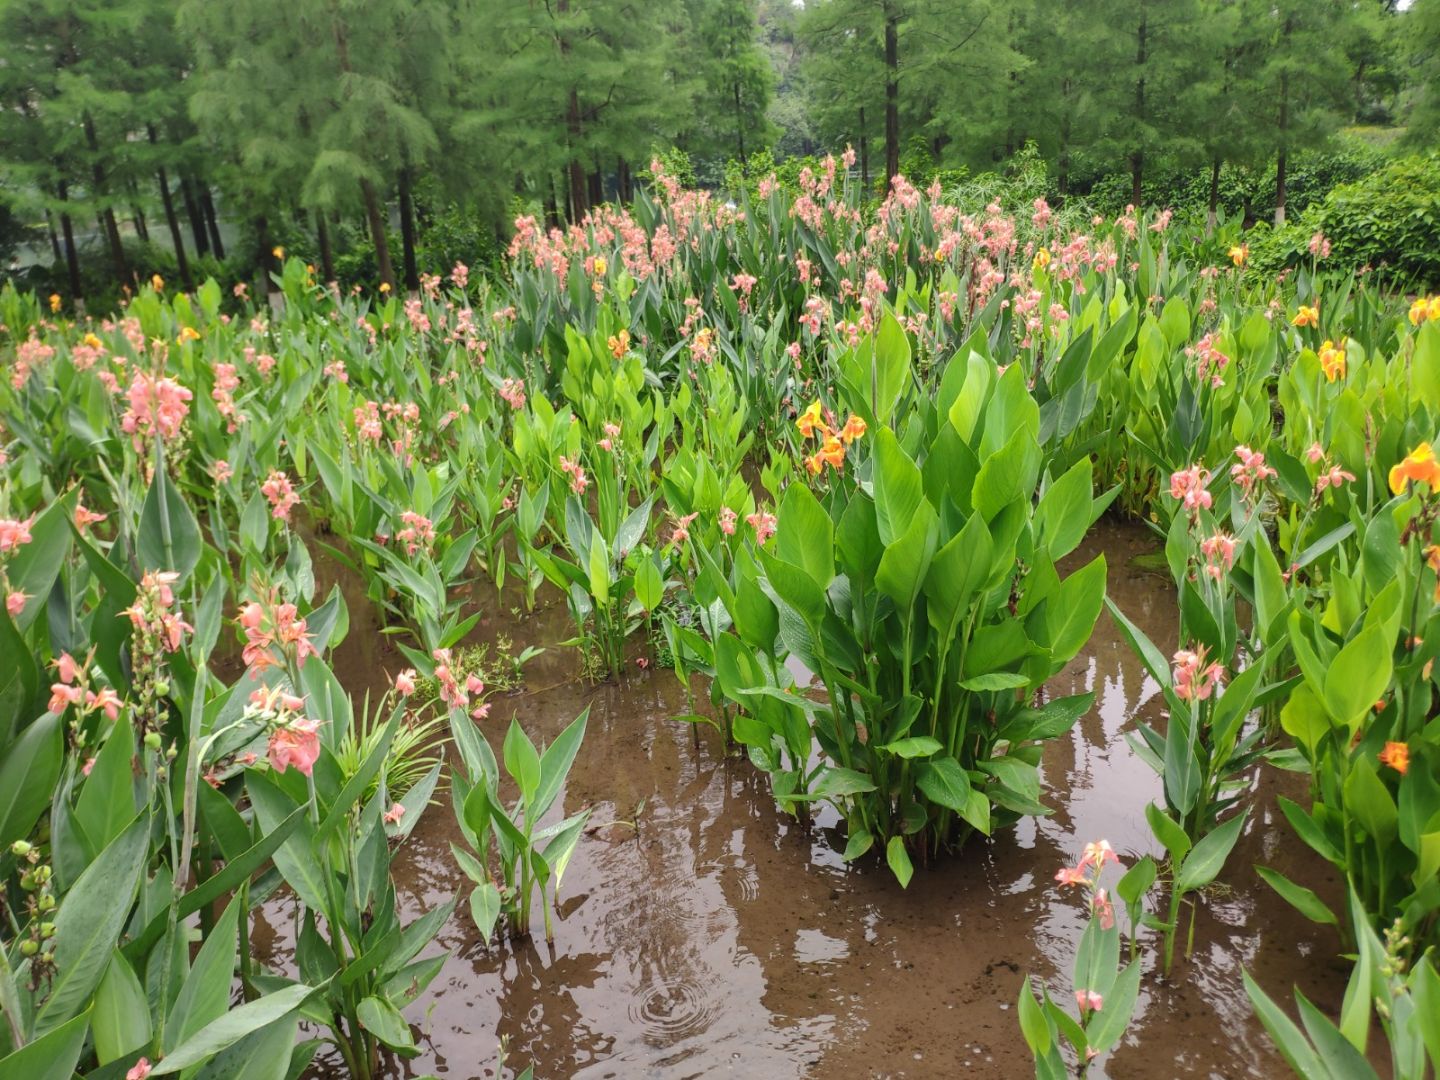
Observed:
{"x":717,"y":938}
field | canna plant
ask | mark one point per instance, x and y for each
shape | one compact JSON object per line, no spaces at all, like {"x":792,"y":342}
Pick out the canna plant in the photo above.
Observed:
{"x":923,"y":593}
{"x":1105,"y":992}
{"x":531,"y":856}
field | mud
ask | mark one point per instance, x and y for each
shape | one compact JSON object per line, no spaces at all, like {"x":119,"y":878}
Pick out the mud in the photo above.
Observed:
{"x":704,"y":934}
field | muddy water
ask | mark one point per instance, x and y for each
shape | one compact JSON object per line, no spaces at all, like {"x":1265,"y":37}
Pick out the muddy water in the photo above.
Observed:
{"x":711,"y":936}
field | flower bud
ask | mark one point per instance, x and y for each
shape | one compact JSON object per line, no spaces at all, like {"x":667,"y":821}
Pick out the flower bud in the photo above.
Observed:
{"x":47,"y":930}
{"x":20,"y":848}
{"x":46,"y":902}
{"x":162,"y":687}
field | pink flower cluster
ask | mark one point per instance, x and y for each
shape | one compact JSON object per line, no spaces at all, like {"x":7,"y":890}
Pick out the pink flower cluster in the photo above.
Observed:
{"x":158,"y":406}
{"x":764,"y":524}
{"x":418,"y":533}
{"x":1189,"y":486}
{"x":73,"y":688}
{"x":1252,"y":470}
{"x":578,"y":480}
{"x":452,"y":693}
{"x":1194,"y":680}
{"x":152,"y":611}
{"x":512,"y":391}
{"x":269,"y":626}
{"x":280,"y":493}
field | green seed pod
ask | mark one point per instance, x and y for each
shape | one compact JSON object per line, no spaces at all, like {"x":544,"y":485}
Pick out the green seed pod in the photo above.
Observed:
{"x":29,"y":947}
{"x":162,"y":687}
{"x":152,"y":740}
{"x":47,"y":930}
{"x":20,"y":848}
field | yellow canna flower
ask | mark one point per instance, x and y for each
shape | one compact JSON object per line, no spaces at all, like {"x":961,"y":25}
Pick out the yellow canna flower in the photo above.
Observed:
{"x":1306,"y":316}
{"x":94,"y":342}
{"x":278,"y":251}
{"x":600,"y":265}
{"x":854,"y":429}
{"x":188,"y":333}
{"x":1042,"y":259}
{"x":1240,"y":254}
{"x":1433,"y":309}
{"x":1420,"y":466}
{"x":1419,"y":311}
{"x":157,"y":282}
{"x":55,"y":301}
{"x":811,"y":421}
{"x":384,"y":286}
{"x":1332,"y":360}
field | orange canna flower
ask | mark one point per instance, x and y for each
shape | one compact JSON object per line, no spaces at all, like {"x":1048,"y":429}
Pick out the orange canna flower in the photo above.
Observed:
{"x":384,"y":286}
{"x":189,"y":333}
{"x":1240,"y":254}
{"x":854,"y":429}
{"x":619,"y":344}
{"x":1306,"y":316}
{"x":55,"y":301}
{"x":811,"y":421}
{"x":1332,"y":360}
{"x":833,"y":452}
{"x":1432,"y":560}
{"x":157,"y":282}
{"x":1420,"y":466}
{"x":278,"y":252}
{"x":1397,"y":756}
{"x":813,"y":464}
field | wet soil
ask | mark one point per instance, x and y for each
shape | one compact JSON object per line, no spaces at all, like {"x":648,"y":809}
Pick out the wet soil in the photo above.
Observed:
{"x":702,"y":933}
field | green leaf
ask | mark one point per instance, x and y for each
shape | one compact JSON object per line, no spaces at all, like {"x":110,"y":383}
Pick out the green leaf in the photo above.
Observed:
{"x":1298,"y":896}
{"x":169,"y":536}
{"x":1108,"y":1024}
{"x":34,"y":568}
{"x":1153,"y":659}
{"x":107,"y":797}
{"x":384,"y":1021}
{"x":1062,"y":516}
{"x":905,"y":562}
{"x":53,"y":1056}
{"x":805,"y":535}
{"x":89,"y":922}
{"x":120,"y":1017}
{"x":1171,"y":836}
{"x":944,"y":782}
{"x":857,"y":843}
{"x":206,"y":992}
{"x":485,"y":908}
{"x":265,"y":1054}
{"x":912,"y":747}
{"x":1358,"y":676}
{"x":1289,"y":1039}
{"x":232,"y":1027}
{"x":1072,"y":614}
{"x":899,"y":860}
{"x":899,"y":488}
{"x":556,"y":761}
{"x":1207,"y":858}
{"x":522,"y":762}
{"x":28,"y":774}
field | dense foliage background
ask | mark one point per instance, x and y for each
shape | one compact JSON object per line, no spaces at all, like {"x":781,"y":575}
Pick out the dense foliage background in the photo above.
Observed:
{"x":384,"y":138}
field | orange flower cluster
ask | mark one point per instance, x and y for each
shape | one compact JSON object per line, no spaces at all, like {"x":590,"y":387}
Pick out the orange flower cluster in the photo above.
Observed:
{"x":1425,"y":308}
{"x":1420,"y":466}
{"x":811,"y":424}
{"x":1306,"y":316}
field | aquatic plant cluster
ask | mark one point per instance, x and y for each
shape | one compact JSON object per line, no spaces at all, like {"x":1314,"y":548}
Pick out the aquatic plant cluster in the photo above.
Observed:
{"x":833,"y":455}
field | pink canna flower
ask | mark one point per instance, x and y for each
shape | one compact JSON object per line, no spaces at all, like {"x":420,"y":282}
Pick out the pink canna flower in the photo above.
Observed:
{"x":1104,"y":909}
{"x":297,"y":744}
{"x":1219,"y":552}
{"x":1089,"y":1000}
{"x":1314,"y":452}
{"x":727,"y":521}
{"x":66,"y":668}
{"x":1189,"y":486}
{"x":280,"y":493}
{"x":15,"y":603}
{"x":62,"y":697}
{"x":14,"y":534}
{"x":1098,"y":854}
{"x":681,"y":532}
{"x":157,"y":407}
{"x":764,"y":524}
{"x":1252,"y":469}
{"x":1333,"y":478}
{"x":394,"y":814}
{"x":85,"y":517}
{"x":405,"y":682}
{"x":140,"y":1070}
{"x":1193,"y":679}
{"x":106,"y":701}
{"x":1072,"y":875}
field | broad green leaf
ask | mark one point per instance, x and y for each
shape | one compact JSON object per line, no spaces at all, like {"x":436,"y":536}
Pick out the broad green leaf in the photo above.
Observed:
{"x":899,"y":488}
{"x":805,"y":535}
{"x":899,"y":860}
{"x":522,"y":762}
{"x":1289,"y":1039}
{"x":556,"y":761}
{"x":384,"y":1021}
{"x":1358,"y":676}
{"x":232,"y":1027}
{"x":1207,"y":858}
{"x":120,"y":1018}
{"x":1298,"y":896}
{"x":89,"y":922}
{"x":485,"y":908}
{"x":914,"y":746}
{"x":52,"y":1056}
{"x":205,"y":994}
{"x":28,"y":773}
{"x":265,"y":1054}
{"x":169,"y":536}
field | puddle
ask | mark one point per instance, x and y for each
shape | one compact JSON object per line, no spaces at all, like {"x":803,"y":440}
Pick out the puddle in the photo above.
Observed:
{"x":718,"y":938}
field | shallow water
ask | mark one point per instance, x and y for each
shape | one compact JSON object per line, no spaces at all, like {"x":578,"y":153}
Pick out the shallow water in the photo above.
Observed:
{"x":716,"y":937}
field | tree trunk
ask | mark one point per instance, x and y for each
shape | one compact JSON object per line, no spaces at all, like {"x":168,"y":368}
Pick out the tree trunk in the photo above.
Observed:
{"x":107,"y":214}
{"x":1280,"y":163}
{"x":177,"y":240}
{"x":622,"y":179}
{"x":72,"y":259}
{"x":1212,"y":214}
{"x":212,"y":223}
{"x":577,"y":167}
{"x":197,"y":220}
{"x":892,"y":94}
{"x":376,"y":219}
{"x":740,"y":126}
{"x":327,"y":257}
{"x":138,"y":217}
{"x":864,"y":154}
{"x":1137,"y":156}
{"x":55,"y":252}
{"x":597,"y":188}
{"x":407,"y":234}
